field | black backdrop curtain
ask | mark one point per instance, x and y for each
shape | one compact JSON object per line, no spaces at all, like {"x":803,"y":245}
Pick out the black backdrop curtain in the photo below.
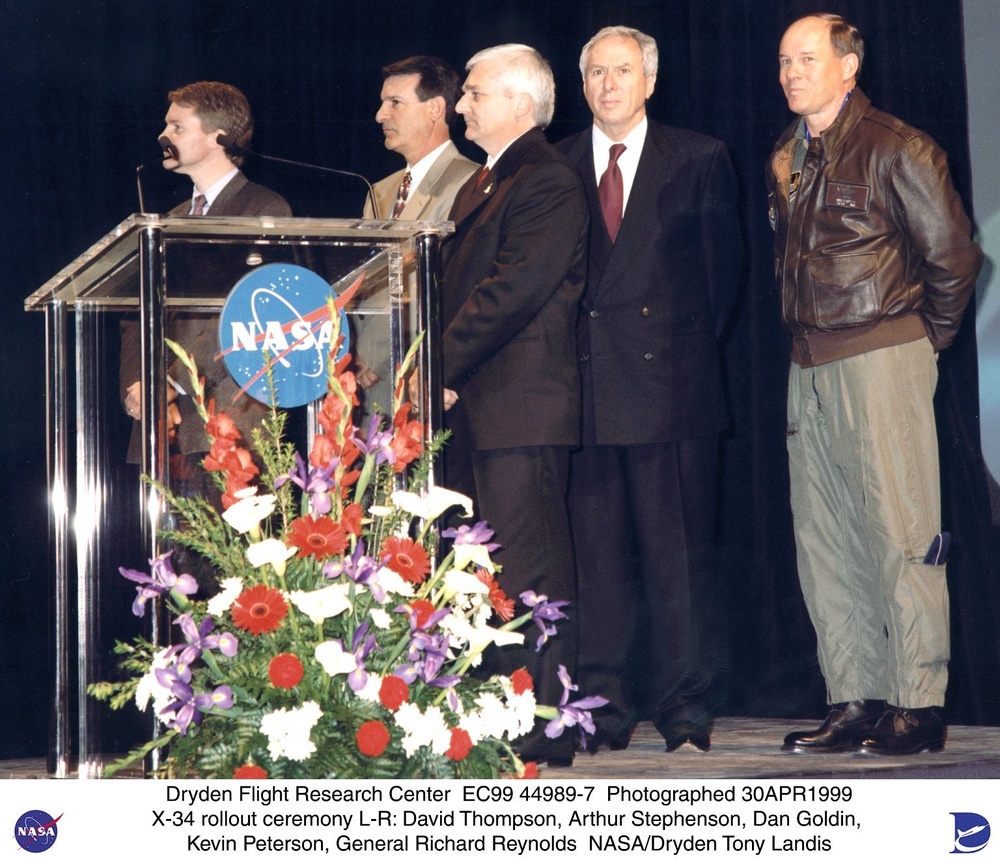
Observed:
{"x":85,"y":86}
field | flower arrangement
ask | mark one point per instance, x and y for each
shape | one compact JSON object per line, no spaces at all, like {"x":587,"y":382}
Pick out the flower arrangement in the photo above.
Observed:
{"x":338,"y":644}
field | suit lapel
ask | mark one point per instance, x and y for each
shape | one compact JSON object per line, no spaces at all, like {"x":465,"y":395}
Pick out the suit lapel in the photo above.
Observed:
{"x":470,"y":198}
{"x":224,"y":201}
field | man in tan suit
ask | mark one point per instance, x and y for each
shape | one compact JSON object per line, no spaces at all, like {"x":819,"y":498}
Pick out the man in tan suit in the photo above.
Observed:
{"x":419,"y":95}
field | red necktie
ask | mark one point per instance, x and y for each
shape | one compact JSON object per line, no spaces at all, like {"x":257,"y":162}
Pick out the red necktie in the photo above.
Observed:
{"x":401,"y":195}
{"x":611,"y":191}
{"x":481,"y":176}
{"x":200,"y":202}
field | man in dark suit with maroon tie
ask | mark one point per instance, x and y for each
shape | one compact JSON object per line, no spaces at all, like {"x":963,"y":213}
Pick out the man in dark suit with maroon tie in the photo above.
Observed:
{"x":513,"y":276}
{"x":664,"y":268}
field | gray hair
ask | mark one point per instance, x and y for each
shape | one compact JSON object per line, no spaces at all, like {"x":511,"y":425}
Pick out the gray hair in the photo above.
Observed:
{"x":523,"y":70}
{"x":647,"y":45}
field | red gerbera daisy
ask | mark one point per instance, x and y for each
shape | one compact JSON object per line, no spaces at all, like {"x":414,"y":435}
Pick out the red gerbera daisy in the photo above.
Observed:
{"x":285,"y":670}
{"x":460,"y":745}
{"x":372,"y":738}
{"x":408,"y":558}
{"x":351,"y":519}
{"x":503,"y":606}
{"x":319,"y":537}
{"x":250,"y":771}
{"x":259,"y":609}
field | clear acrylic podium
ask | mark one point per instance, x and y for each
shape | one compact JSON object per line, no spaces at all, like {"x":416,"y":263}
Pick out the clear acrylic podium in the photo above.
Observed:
{"x":101,"y":515}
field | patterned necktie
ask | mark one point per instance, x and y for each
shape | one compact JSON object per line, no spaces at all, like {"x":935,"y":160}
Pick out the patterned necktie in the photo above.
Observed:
{"x":401,"y":195}
{"x":200,"y":202}
{"x":611,"y":191}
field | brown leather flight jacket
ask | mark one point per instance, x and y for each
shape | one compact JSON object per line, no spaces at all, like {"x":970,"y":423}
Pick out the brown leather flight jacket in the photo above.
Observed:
{"x":876,"y":250}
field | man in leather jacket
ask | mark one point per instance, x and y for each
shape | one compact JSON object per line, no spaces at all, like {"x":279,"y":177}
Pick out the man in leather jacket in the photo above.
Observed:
{"x":875,"y":264}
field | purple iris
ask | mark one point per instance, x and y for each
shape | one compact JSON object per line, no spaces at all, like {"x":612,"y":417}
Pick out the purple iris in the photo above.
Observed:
{"x":317,"y":481}
{"x":544,"y":613}
{"x":362,"y":644}
{"x":199,"y":639}
{"x":162,"y":581}
{"x":359,"y":568}
{"x":576,"y":714}
{"x":187,"y":708}
{"x":377,"y":441}
{"x":427,"y":653}
{"x":477,"y":535}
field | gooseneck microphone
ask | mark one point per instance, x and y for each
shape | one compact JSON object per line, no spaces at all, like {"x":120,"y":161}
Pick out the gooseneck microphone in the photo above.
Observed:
{"x":233,"y":148}
{"x":169,"y":151}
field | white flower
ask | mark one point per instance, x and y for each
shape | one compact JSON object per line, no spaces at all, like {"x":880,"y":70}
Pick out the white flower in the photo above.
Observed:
{"x":334,"y":659}
{"x":459,"y":582}
{"x":427,"y":729}
{"x":232,"y":587}
{"x":150,"y":688}
{"x":433,"y":503}
{"x":369,"y":692}
{"x":288,"y":731}
{"x":323,"y":602}
{"x":483,"y":636}
{"x":380,"y":618}
{"x":473,"y":553}
{"x":380,"y":510}
{"x":246,"y":514}
{"x":393,"y":583}
{"x":271,"y":551}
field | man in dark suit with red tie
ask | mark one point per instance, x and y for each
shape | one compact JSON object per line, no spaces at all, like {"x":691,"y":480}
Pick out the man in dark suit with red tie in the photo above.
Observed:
{"x":513,"y":276}
{"x":664,"y":268}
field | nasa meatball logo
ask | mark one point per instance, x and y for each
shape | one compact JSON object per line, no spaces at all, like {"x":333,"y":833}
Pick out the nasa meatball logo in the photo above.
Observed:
{"x":276,"y":329}
{"x":36,"y":831}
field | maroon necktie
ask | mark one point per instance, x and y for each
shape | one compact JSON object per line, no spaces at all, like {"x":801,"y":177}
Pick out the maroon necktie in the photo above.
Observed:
{"x":611,"y":190}
{"x":401,"y":195}
{"x":484,"y":171}
{"x":200,"y":202}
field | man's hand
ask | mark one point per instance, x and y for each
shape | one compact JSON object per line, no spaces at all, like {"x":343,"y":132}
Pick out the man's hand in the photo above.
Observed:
{"x":450,"y":396}
{"x":133,"y":406}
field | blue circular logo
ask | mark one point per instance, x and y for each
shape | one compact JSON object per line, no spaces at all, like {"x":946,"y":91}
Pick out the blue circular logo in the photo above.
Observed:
{"x":276,"y":323}
{"x":36,"y":831}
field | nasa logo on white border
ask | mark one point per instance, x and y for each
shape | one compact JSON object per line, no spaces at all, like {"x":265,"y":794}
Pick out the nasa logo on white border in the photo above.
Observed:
{"x":279,"y":313}
{"x":36,"y":831}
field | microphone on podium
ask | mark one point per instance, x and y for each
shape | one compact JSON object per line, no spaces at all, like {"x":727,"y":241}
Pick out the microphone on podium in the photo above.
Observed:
{"x":233,"y":148}
{"x":168,"y":151}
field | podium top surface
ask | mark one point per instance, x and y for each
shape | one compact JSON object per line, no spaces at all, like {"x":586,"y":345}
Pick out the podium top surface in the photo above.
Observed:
{"x":109,"y":270}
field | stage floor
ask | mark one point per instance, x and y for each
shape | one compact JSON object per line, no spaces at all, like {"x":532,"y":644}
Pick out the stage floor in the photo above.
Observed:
{"x":742,"y":748}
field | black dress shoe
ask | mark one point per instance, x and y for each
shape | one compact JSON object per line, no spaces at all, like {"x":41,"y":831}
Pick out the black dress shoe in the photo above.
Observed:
{"x":617,"y":740}
{"x":847,"y":724}
{"x":688,"y":733}
{"x":904,"y":731}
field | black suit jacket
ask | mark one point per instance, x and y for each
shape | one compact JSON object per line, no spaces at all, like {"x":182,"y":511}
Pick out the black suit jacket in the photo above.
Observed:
{"x":513,"y":276}
{"x":198,"y":333}
{"x":658,"y":300}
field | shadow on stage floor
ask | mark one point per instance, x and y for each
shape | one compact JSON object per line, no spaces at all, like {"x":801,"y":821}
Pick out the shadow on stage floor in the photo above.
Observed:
{"x":743,"y":748}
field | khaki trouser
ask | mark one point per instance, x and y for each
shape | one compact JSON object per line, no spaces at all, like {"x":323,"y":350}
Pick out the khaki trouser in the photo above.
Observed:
{"x":865,"y":492}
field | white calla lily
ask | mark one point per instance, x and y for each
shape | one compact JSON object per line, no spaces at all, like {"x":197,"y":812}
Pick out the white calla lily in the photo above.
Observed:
{"x":334,"y":659}
{"x":246,"y":514}
{"x":324,"y":602}
{"x":431,"y":504}
{"x":459,"y":582}
{"x":469,"y":553}
{"x":271,"y":551}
